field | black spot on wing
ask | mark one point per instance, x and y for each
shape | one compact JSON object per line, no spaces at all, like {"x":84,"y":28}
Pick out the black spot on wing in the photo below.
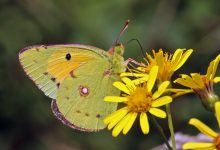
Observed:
{"x":107,"y":73}
{"x":45,"y":73}
{"x":98,"y":116}
{"x":78,"y":111}
{"x":68,"y":56}
{"x":53,"y":79}
{"x":58,"y":85}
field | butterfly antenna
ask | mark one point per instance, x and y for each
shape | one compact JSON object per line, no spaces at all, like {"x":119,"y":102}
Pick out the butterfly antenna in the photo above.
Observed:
{"x":142,"y":51}
{"x":122,"y":31}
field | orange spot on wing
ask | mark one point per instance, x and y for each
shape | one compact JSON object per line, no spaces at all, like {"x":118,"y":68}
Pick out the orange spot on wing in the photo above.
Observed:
{"x":59,"y":67}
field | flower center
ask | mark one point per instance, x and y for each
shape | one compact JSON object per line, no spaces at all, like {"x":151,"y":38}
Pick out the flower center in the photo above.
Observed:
{"x":140,"y":100}
{"x":217,"y":142}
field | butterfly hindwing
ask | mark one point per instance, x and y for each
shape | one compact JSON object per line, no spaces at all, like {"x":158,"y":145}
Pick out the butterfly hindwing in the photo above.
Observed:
{"x":79,"y":102}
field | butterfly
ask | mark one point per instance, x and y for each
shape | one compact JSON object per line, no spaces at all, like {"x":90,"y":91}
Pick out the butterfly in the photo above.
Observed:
{"x":77,"y":78}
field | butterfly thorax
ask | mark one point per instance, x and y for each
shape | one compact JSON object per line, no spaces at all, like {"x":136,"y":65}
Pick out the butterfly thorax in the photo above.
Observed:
{"x":116,"y":53}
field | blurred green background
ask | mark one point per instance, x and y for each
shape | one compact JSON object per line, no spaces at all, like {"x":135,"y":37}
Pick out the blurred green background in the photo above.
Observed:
{"x":26,"y":119}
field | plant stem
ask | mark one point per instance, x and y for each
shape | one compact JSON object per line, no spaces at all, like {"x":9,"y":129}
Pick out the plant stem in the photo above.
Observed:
{"x":159,"y":128}
{"x":170,"y":124}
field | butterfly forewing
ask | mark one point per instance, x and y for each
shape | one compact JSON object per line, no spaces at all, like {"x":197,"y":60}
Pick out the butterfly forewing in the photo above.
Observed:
{"x":34,"y":61}
{"x":47,"y":66}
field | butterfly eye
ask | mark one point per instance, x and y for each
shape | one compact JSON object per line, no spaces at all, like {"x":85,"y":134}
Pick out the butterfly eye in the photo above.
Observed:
{"x":68,"y":56}
{"x":83,"y":91}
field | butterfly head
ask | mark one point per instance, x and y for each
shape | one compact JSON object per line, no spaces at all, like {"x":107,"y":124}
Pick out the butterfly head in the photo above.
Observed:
{"x":118,"y":49}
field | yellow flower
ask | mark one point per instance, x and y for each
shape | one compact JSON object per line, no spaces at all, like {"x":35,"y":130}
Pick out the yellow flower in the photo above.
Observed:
{"x":167,"y":63}
{"x":215,"y":145}
{"x":201,"y":84}
{"x":139,"y":99}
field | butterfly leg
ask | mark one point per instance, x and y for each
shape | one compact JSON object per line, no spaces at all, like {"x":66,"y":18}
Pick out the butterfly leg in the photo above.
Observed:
{"x":130,"y":60}
{"x":129,"y":64}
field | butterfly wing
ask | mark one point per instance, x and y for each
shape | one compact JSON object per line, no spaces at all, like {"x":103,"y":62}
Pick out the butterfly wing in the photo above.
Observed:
{"x":78,"y":77}
{"x":48,"y":66}
{"x":80,"y":103}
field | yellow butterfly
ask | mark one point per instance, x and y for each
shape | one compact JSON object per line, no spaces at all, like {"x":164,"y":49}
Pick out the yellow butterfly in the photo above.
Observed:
{"x":77,"y":78}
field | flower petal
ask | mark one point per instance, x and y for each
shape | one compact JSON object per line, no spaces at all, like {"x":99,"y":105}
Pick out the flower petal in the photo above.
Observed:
{"x":185,"y":83}
{"x":119,"y":127}
{"x":115,"y":99}
{"x":111,"y":117}
{"x":215,"y":66}
{"x":160,"y":58}
{"x":129,"y":83}
{"x":130,"y":122}
{"x":176,"y":58}
{"x":212,"y":68}
{"x":183,"y":59}
{"x":131,"y":74}
{"x":161,"y":101}
{"x":216,"y":79}
{"x":200,"y":146}
{"x":144,"y":123}
{"x":203,"y":128}
{"x":121,"y":87}
{"x":184,"y":76}
{"x":142,"y":69}
{"x":198,"y":79}
{"x":177,"y":54}
{"x":140,"y":80}
{"x":217,"y":112}
{"x":158,"y":112}
{"x":179,"y":92}
{"x":173,"y":90}
{"x":152,"y":78}
{"x":161,"y":89}
{"x":209,"y":70}
{"x":116,"y":120}
{"x":176,"y":90}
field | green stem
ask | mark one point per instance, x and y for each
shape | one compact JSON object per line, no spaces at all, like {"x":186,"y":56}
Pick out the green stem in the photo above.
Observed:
{"x":170,"y":124}
{"x":159,"y":128}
